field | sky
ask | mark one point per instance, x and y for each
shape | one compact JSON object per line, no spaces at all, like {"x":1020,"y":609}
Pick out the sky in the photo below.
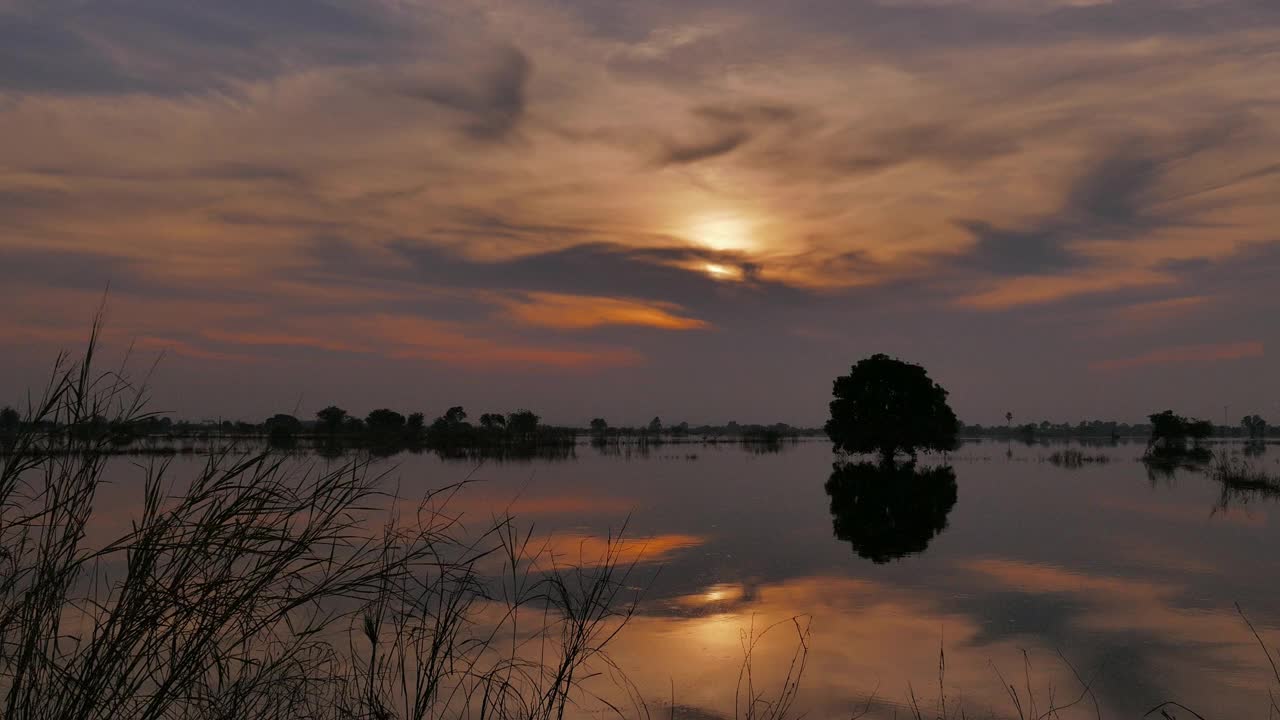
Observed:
{"x":698,"y":209}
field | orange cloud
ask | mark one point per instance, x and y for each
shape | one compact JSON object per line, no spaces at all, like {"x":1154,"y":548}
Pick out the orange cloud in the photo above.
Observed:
{"x":1172,"y":307}
{"x":283,"y":339}
{"x":186,"y":349}
{"x":1040,"y":579}
{"x":413,"y":337}
{"x":1184,"y":354}
{"x":1035,"y":289}
{"x":578,"y":312}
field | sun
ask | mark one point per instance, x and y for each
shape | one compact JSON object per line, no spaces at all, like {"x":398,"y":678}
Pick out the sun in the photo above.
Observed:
{"x":718,"y":271}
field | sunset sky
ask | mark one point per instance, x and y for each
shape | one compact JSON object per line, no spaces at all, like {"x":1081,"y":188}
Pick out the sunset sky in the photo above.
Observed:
{"x":699,"y":209}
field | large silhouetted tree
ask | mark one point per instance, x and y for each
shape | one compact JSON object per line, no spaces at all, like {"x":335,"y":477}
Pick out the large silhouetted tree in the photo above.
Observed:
{"x":887,"y":406}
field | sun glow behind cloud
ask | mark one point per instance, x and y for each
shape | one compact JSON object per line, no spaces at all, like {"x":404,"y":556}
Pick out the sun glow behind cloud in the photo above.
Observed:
{"x":724,"y":232}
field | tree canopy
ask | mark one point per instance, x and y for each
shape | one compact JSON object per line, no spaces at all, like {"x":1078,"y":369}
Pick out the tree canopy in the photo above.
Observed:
{"x":887,"y":406}
{"x":1170,"y":429}
{"x":385,"y":420}
{"x":332,"y":418}
{"x":1254,"y":426}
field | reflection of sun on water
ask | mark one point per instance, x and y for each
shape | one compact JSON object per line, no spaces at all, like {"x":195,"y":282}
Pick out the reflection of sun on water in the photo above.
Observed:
{"x":719,"y":593}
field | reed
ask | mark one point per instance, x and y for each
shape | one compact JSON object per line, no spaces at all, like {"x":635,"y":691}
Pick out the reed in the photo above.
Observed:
{"x":267,"y":587}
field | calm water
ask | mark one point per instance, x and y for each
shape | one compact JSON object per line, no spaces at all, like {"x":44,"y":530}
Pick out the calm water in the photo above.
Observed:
{"x":1133,"y":578}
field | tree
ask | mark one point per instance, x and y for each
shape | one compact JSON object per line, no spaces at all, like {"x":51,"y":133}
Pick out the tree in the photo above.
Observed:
{"x":415,"y":423}
{"x":1198,"y":430}
{"x":9,"y":420}
{"x":384,"y":420}
{"x":1254,"y":426}
{"x":655,"y":426}
{"x":455,"y":415}
{"x":599,"y":427}
{"x":1170,"y":430}
{"x":1008,"y":419}
{"x":282,"y":427}
{"x":493,"y":422}
{"x":523,"y":425}
{"x":332,"y":418}
{"x":885,"y":406}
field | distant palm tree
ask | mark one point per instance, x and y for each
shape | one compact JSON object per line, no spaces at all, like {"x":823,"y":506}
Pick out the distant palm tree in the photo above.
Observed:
{"x":1008,"y":419}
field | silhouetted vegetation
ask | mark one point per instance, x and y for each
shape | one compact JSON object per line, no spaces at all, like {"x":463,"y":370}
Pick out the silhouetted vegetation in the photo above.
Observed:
{"x":332,"y":419}
{"x":1046,"y":430}
{"x":887,"y":511}
{"x":1251,"y":426}
{"x":1243,"y":481}
{"x":1170,"y":430}
{"x":1167,"y":447}
{"x":1075,"y":459}
{"x":887,"y":406}
{"x":269,"y":590}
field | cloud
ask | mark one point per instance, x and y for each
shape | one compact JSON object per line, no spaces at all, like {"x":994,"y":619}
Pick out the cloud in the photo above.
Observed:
{"x":190,"y":350}
{"x":1184,"y":354}
{"x":724,"y":128}
{"x":408,"y":337}
{"x":284,"y":340}
{"x":1013,"y":292}
{"x":1117,"y":194}
{"x":282,"y":172}
{"x":666,"y":273}
{"x":175,"y":46}
{"x":493,"y":102}
{"x":680,"y":154}
{"x":577,"y":312}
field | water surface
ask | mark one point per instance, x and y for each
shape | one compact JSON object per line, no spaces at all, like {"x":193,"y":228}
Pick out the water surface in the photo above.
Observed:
{"x":1131,"y":576}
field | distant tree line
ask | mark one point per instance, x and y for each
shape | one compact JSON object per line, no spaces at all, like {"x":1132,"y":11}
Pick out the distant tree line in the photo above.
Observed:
{"x":602,"y":432}
{"x":333,"y":424}
{"x":384,"y":427}
{"x":1251,"y":426}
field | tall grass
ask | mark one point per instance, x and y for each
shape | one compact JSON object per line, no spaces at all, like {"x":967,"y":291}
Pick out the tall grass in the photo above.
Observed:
{"x":268,"y":588}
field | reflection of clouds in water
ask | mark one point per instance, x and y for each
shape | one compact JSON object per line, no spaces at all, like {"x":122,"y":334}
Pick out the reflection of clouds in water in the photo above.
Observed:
{"x":865,"y":635}
{"x":1094,"y":563}
{"x":873,"y":637}
{"x":588,"y":549}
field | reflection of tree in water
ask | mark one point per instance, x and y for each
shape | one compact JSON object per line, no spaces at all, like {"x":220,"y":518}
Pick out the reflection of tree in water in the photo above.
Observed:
{"x":889,"y":511}
{"x":1162,"y":464}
